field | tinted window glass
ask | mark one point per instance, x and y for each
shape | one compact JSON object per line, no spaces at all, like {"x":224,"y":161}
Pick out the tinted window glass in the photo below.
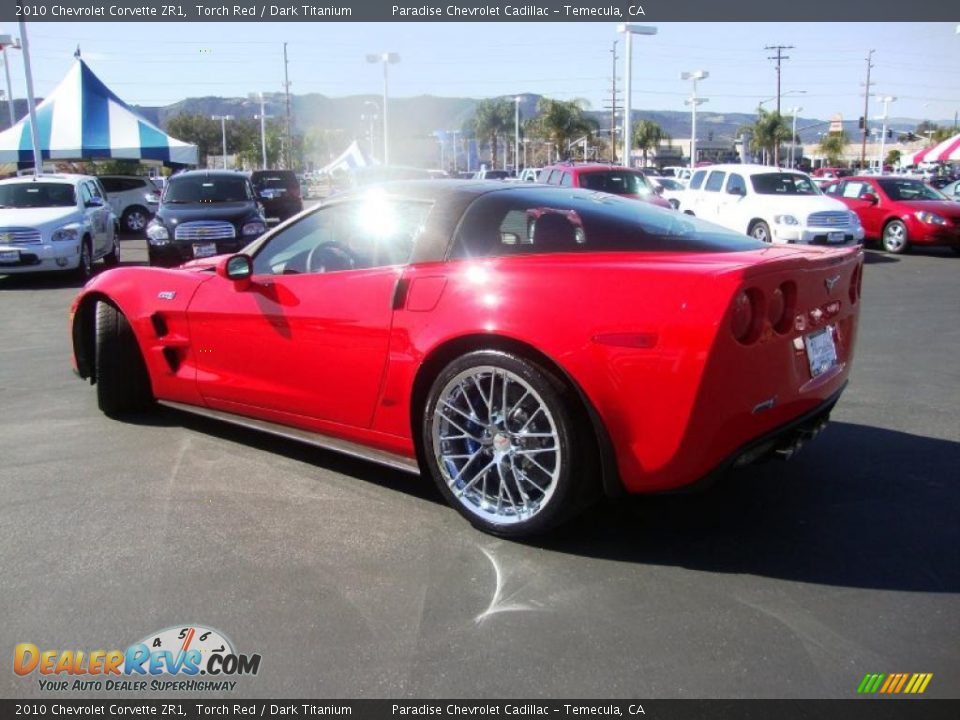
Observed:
{"x":736,"y":184}
{"x":37,"y":194}
{"x":541,"y":221}
{"x":697,"y":179}
{"x":206,"y":189}
{"x":715,"y":181}
{"x":566,"y":180}
{"x":909,"y":190}
{"x":554,"y":177}
{"x":285,"y":180}
{"x":112,"y":185}
{"x":374,"y":232}
{"x":783,"y":184}
{"x":618,"y":182}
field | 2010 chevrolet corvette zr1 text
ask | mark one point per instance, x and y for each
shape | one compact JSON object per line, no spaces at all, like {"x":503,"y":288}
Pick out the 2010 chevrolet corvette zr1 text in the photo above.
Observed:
{"x":528,"y":347}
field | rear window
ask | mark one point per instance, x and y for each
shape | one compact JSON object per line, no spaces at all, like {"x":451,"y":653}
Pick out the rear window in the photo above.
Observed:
{"x":783,"y":184}
{"x":282,"y":180}
{"x":617,"y":182}
{"x":575,"y":221}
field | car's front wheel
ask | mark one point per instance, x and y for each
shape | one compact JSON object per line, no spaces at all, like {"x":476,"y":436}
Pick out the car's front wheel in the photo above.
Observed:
{"x":499,"y":435}
{"x":894,"y":239}
{"x":84,"y":269}
{"x":123,"y":384}
{"x":135,"y":220}
{"x":761,"y":231}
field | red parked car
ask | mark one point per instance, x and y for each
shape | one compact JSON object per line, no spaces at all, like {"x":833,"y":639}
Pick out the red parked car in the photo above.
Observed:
{"x":614,"y":179}
{"x":900,"y":212}
{"x":527,"y":347}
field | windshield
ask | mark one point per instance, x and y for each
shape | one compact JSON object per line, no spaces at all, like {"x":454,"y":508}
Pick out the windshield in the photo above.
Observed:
{"x":783,"y":184}
{"x":617,"y":182}
{"x":206,"y":190}
{"x":278,"y":181}
{"x":37,"y":195}
{"x":909,"y":190}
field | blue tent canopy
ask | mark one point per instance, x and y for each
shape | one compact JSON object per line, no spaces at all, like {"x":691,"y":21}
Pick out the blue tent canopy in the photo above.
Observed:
{"x":82,"y":119}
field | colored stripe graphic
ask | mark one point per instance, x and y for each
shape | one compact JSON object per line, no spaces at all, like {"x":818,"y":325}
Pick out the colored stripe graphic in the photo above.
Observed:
{"x":894,"y":683}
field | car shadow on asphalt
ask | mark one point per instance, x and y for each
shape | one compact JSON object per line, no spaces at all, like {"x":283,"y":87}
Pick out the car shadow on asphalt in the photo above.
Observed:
{"x":860,"y":507}
{"x":878,"y":257}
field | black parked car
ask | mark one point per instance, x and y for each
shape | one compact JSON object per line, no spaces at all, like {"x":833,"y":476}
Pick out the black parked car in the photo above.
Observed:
{"x":204,"y":213}
{"x":278,"y":192}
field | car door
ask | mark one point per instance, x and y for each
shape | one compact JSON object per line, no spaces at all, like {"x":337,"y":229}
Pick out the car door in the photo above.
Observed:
{"x":96,"y":212}
{"x":308,"y":336}
{"x":853,"y":194}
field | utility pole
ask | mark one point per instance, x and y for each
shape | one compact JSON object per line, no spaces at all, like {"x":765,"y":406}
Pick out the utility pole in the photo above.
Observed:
{"x":779,"y":57}
{"x":286,"y":88}
{"x":263,"y":132}
{"x":866,"y":110}
{"x":613,"y":103}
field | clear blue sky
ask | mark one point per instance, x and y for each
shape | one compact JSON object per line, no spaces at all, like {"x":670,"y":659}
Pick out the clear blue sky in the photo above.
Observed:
{"x":157,"y":64}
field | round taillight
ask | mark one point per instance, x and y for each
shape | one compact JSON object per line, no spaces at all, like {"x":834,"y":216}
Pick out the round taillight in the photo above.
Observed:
{"x":776,"y":307}
{"x":746,"y":319}
{"x":782,"y":304}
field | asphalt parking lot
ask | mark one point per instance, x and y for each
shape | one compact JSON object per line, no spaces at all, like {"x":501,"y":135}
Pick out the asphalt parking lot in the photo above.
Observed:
{"x":787,"y":580}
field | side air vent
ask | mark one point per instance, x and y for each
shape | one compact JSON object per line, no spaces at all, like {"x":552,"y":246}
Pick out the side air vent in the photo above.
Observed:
{"x":159,"y":325}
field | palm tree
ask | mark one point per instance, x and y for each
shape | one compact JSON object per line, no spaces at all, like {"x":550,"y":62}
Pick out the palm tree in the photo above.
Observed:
{"x":493,"y":117}
{"x":767,"y":133}
{"x":647,"y":135}
{"x":833,"y":145}
{"x":561,"y":121}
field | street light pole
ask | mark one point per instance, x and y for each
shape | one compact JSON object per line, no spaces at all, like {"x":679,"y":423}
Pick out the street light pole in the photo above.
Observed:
{"x":630,"y":29}
{"x":387,"y":58}
{"x":516,"y":135}
{"x":693,"y":102}
{"x":223,"y":133}
{"x":31,"y":105}
{"x":793,"y":136}
{"x":886,"y":100}
{"x":8,"y":41}
{"x":263,"y":133}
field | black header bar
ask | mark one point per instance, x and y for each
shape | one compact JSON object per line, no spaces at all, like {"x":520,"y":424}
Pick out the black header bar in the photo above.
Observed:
{"x":173,"y":11}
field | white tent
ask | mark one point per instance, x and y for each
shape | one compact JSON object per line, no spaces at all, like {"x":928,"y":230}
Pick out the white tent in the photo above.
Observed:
{"x":82,"y":119}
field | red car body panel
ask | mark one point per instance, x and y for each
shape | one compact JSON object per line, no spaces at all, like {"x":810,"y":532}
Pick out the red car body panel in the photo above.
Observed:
{"x":874,"y":216}
{"x":644,"y":336}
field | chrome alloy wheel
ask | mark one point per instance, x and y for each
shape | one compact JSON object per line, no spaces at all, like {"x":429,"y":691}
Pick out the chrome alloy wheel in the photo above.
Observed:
{"x":496,"y":444}
{"x":895,"y":237}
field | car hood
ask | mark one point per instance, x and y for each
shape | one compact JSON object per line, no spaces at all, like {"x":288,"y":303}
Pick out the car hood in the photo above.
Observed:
{"x":946,"y":208}
{"x":229,"y":212}
{"x":38,"y":217}
{"x":803,"y":203}
{"x":652,"y":199}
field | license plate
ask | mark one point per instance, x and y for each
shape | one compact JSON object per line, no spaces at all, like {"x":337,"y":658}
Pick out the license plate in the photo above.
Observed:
{"x":836,"y":237}
{"x":201,"y":250}
{"x":821,"y":351}
{"x":9,"y":256}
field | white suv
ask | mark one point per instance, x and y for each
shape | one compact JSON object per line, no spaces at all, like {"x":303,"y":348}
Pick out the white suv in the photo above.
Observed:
{"x":128,"y":197}
{"x":770,"y":204}
{"x":55,"y":222}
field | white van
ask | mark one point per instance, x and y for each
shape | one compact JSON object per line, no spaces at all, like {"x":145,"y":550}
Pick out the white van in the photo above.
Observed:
{"x":770,"y":204}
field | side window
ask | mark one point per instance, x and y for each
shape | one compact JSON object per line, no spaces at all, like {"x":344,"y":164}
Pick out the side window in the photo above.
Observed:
{"x":84,"y":194}
{"x":355,"y":235}
{"x":111,"y":185}
{"x":515,"y":228}
{"x":697,"y":179}
{"x":735,"y":184}
{"x":835,"y":189}
{"x":94,"y":190}
{"x":854,"y":189}
{"x":566,"y":180}
{"x":715,"y":181}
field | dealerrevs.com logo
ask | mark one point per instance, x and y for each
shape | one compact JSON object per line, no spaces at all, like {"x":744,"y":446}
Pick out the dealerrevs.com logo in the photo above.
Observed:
{"x":179,"y":658}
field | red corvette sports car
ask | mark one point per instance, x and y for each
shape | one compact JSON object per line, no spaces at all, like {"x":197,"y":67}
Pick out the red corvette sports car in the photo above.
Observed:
{"x":528,"y":347}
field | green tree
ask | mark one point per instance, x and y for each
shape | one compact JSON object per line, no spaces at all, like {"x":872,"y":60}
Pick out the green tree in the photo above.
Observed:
{"x":767,"y":133}
{"x":893,"y":157}
{"x":560,"y":121}
{"x":491,"y":118}
{"x":833,"y":145}
{"x":647,"y":135}
{"x":200,"y":130}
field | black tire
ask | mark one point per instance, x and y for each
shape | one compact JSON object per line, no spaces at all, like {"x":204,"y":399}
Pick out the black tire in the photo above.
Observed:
{"x":761,"y":231}
{"x":573,"y":460}
{"x":84,"y":271}
{"x":112,"y":258}
{"x":123,"y":384}
{"x":894,"y":238}
{"x":135,"y":219}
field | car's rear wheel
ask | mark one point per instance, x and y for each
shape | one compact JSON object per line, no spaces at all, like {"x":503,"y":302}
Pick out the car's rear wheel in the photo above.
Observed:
{"x":135,"y":219}
{"x":895,"y":239}
{"x":498,"y":437}
{"x":112,"y":258}
{"x":761,"y":231}
{"x":84,"y":269}
{"x":123,"y":384}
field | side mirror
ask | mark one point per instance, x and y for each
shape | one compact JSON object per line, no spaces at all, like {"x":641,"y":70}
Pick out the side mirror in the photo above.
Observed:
{"x":152,"y":198}
{"x":236,"y":268}
{"x":658,"y":189}
{"x":870,"y":198}
{"x":94,"y":202}
{"x":737,"y":190}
